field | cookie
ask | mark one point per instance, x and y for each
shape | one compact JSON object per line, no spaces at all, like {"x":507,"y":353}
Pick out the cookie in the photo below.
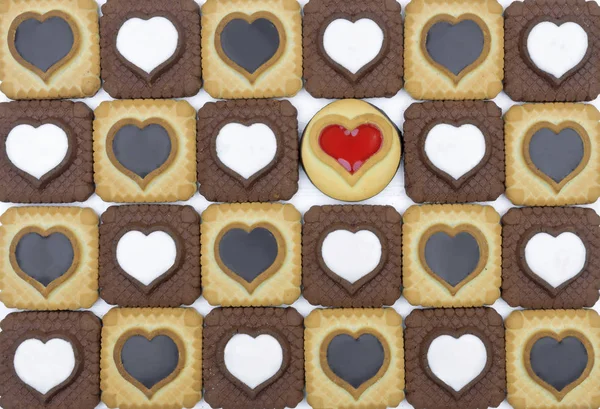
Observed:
{"x":251,"y":254}
{"x":552,"y":50}
{"x":454,"y":152}
{"x":350,"y":150}
{"x":49,"y":258}
{"x":150,"y":49}
{"x":150,"y":256}
{"x":144,"y":151}
{"x":552,"y":154}
{"x":253,"y":357}
{"x":553,"y":359}
{"x":354,"y":358}
{"x":248,"y":151}
{"x":451,"y":255}
{"x":50,"y":360}
{"x":252,"y":49}
{"x":351,"y":256}
{"x":47,"y":154}
{"x":549,"y":257}
{"x":52,"y":49}
{"x":453,"y":49}
{"x":352,"y":49}
{"x":455,"y":358}
{"x":151,"y":358}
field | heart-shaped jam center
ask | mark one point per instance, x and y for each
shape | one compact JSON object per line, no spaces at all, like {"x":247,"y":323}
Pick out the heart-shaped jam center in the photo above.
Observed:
{"x":44,"y":258}
{"x":351,"y":148}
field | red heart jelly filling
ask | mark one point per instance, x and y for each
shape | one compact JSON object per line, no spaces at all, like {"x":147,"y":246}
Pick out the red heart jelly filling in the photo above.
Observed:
{"x":351,"y":148}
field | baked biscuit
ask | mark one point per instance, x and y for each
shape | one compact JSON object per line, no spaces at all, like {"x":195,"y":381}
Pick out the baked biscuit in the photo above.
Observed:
{"x":52,"y":49}
{"x":552,"y":154}
{"x":49,"y":258}
{"x":453,"y":49}
{"x":145,"y":151}
{"x":350,"y":150}
{"x":354,"y":358}
{"x":252,"y":49}
{"x":553,"y":359}
{"x":234,"y":272}
{"x":451,"y":255}
{"x":151,"y":358}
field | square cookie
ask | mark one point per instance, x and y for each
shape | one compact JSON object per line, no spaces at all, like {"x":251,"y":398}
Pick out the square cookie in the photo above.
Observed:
{"x":49,"y":258}
{"x":553,"y":359}
{"x":453,"y":49}
{"x":451,"y":255}
{"x":550,"y":257}
{"x":150,"y":48}
{"x":252,"y":49}
{"x":552,"y":154}
{"x":552,"y":50}
{"x":352,"y":256}
{"x":51,"y":49}
{"x":47,"y":155}
{"x":150,"y":256}
{"x":50,"y":360}
{"x":354,"y":358}
{"x":454,"y":151}
{"x":253,"y":358}
{"x":352,"y":49}
{"x":248,"y":151}
{"x":145,"y":151}
{"x":455,"y":358}
{"x":251,"y":254}
{"x":151,"y":358}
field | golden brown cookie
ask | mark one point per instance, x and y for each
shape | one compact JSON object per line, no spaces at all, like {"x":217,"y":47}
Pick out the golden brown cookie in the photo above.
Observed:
{"x":52,"y":50}
{"x":552,"y":154}
{"x":354,"y":358}
{"x":451,"y":255}
{"x":145,"y":151}
{"x":49,"y":258}
{"x":252,"y":49}
{"x":453,"y":49}
{"x":553,"y":359}
{"x":151,"y":358}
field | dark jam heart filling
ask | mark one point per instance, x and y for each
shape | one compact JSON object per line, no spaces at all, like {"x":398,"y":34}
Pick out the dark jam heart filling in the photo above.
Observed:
{"x":351,"y":149}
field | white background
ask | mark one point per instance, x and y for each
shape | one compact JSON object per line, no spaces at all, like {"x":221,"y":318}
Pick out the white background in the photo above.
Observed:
{"x":308,"y":195}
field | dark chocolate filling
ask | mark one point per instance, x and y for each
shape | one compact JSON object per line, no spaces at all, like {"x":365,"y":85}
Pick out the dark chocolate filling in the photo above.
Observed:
{"x":142,"y":150}
{"x":149,"y":361}
{"x":44,"y":258}
{"x":452,"y":258}
{"x":355,"y":360}
{"x":43,"y":44}
{"x":558,"y":363}
{"x":556,"y":155}
{"x":455,"y":46}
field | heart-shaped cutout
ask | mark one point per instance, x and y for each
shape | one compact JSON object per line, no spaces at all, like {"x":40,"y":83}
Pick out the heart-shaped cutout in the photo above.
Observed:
{"x":555,"y":259}
{"x":457,"y":361}
{"x":148,"y":44}
{"x":250,"y":44}
{"x":353,"y":45}
{"x":455,"y":151}
{"x":146,"y":258}
{"x":253,"y":360}
{"x":45,"y":366}
{"x":246,"y":150}
{"x":456,"y":45}
{"x":250,"y":254}
{"x":557,"y":49}
{"x":559,"y":362}
{"x":351,"y":148}
{"x":37,"y":150}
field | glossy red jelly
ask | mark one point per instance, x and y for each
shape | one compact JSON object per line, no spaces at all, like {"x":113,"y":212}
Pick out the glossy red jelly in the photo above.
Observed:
{"x":351,"y":148}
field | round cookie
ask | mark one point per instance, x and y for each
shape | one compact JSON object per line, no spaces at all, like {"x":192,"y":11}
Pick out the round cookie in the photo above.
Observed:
{"x":350,"y":150}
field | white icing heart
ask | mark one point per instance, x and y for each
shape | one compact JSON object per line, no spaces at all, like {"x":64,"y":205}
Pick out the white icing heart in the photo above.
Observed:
{"x":36,"y":150}
{"x":556,"y":49}
{"x":353,"y":45}
{"x":44,"y":366}
{"x":455,"y":150}
{"x":253,"y":360}
{"x":457,"y":361}
{"x":246,"y":149}
{"x":351,"y":255}
{"x":146,"y":258}
{"x":147,"y":43}
{"x":555,"y":259}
